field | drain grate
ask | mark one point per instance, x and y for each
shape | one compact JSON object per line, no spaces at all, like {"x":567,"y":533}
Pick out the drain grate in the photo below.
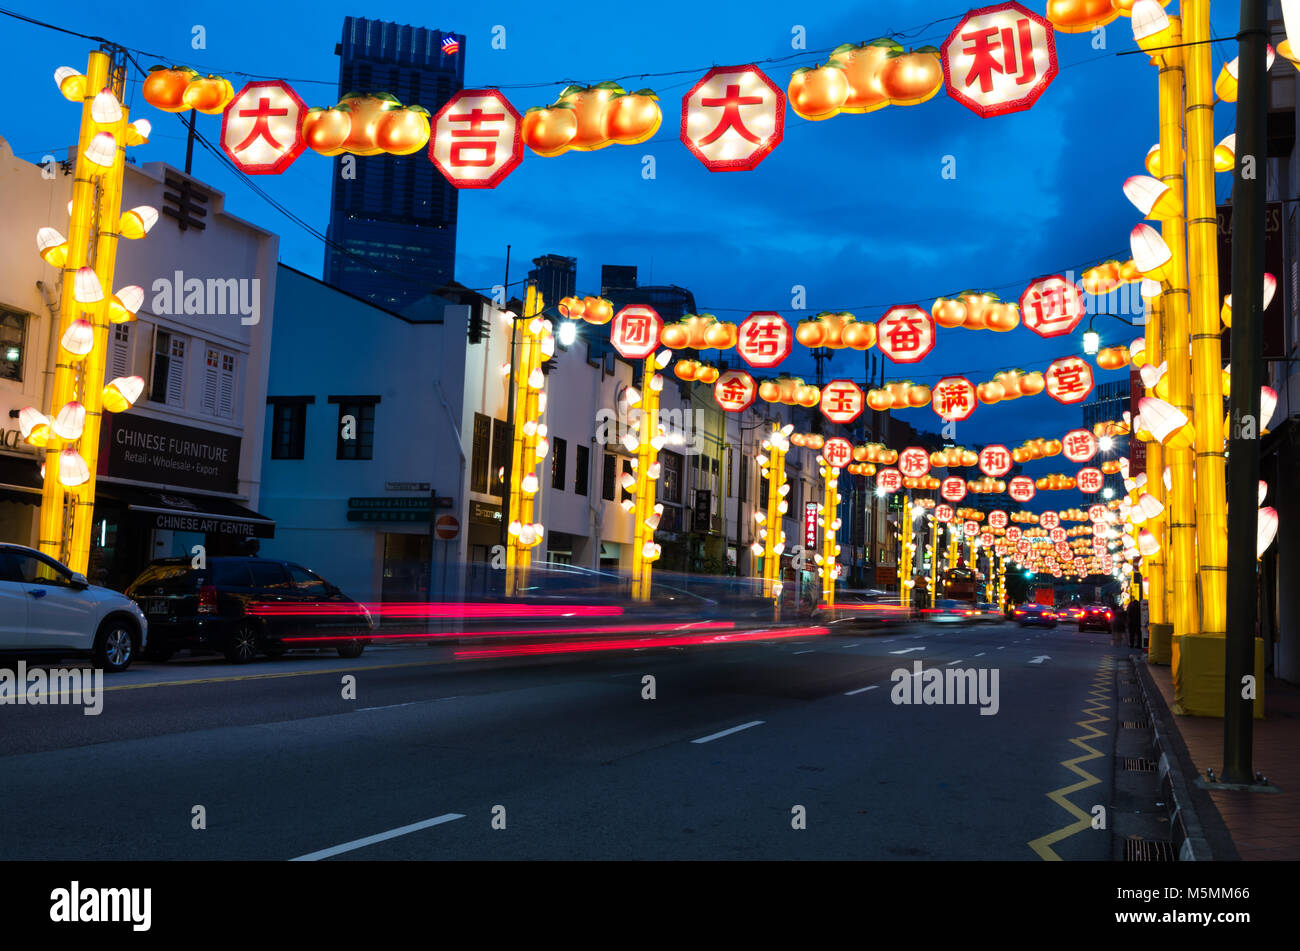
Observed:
{"x":1137,"y":764}
{"x":1138,"y":849}
{"x":1135,"y":724}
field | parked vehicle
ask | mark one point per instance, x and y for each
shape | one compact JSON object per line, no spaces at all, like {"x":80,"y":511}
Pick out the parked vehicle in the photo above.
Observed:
{"x":243,"y":606}
{"x":48,"y":611}
{"x":1035,"y":615}
{"x":1096,"y":617}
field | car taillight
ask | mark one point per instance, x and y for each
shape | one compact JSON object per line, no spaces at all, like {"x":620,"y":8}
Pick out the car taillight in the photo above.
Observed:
{"x":208,"y":599}
{"x":1107,"y":615}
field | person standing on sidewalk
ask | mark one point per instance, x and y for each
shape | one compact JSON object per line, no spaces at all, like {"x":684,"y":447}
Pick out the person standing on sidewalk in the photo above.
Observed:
{"x":1134,"y":623}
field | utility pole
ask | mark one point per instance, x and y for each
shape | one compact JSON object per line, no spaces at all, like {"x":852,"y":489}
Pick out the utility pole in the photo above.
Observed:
{"x":1243,"y":407}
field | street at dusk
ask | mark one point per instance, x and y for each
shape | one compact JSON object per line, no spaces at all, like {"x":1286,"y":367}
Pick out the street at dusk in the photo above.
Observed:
{"x":669,"y":433}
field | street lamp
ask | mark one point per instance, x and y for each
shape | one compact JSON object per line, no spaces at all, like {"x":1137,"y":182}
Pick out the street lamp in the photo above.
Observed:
{"x":1091,"y":340}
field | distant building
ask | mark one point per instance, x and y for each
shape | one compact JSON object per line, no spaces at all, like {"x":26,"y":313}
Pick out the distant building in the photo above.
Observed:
{"x":556,"y":277}
{"x":616,"y":277}
{"x":392,"y":230}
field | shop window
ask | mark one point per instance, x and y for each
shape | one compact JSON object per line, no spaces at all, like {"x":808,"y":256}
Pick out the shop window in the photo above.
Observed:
{"x":168,"y":384}
{"x":13,"y":339}
{"x":478,"y":470}
{"x":218,"y":384}
{"x":502,"y":444}
{"x":672,"y":477}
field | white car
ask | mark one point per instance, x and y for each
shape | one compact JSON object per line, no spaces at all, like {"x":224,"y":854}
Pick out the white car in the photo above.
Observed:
{"x":47,"y":612}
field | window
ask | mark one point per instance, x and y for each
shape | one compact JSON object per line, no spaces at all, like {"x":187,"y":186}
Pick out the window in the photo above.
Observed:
{"x":581,"y":467}
{"x":744,"y":477}
{"x":502,"y":444}
{"x":764,"y":492}
{"x":168,"y":385}
{"x":37,"y":569}
{"x":672,"y":477}
{"x":356,"y":435}
{"x":559,"y":458}
{"x":309,"y":584}
{"x":626,"y":495}
{"x":218,"y":384}
{"x":13,"y":336}
{"x":610,"y":475}
{"x":289,"y":426}
{"x":268,"y":574}
{"x":478,"y":470}
{"x":119,"y":352}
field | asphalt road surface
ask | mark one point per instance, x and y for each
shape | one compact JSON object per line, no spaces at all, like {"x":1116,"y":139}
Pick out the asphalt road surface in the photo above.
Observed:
{"x":740,"y":746}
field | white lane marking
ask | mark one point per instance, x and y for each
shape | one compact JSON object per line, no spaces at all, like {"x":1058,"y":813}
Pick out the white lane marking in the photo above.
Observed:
{"x":1001,"y":648}
{"x":734,"y":729}
{"x":808,"y":651}
{"x":847,"y":646}
{"x":379,"y":837}
{"x":1040,"y":658}
{"x":907,"y":650}
{"x":951,"y":662}
{"x":980,"y":654}
{"x":849,"y":693}
{"x":409,"y":703}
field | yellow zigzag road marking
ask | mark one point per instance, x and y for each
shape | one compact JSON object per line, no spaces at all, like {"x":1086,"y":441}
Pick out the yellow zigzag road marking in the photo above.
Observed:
{"x":1094,"y":712}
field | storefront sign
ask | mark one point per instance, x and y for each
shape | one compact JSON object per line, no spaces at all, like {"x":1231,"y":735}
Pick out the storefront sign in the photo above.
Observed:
{"x":485,"y":513}
{"x":137,"y":447}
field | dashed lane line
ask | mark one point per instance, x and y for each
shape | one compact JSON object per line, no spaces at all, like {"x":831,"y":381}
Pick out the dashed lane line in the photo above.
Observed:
{"x":735,"y":729}
{"x":378,"y":837}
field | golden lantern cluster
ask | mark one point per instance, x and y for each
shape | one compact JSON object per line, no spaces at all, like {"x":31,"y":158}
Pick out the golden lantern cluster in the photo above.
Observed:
{"x":954,"y":456}
{"x":1112,"y":358}
{"x":1111,"y":428}
{"x":985,"y":485}
{"x":695,"y":371}
{"x":69,"y":434}
{"x":1109,"y":276}
{"x":836,"y":330}
{"x":1026,"y":517}
{"x":180,"y":88}
{"x":969,"y":514}
{"x":926,"y":483}
{"x":975,"y":310}
{"x":367,"y":124}
{"x":594,"y":310}
{"x":875,"y":452}
{"x":789,"y":391}
{"x":587,"y":118}
{"x":863,"y":77}
{"x":1010,"y":385}
{"x":899,"y":395}
{"x":860,"y":469}
{"x":699,"y":332}
{"x":1036,"y":449}
{"x":1056,"y":481}
{"x":531,"y":442}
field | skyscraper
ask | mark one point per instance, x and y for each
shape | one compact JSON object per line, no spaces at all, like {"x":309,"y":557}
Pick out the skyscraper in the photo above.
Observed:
{"x":556,"y":277}
{"x":392,"y":227}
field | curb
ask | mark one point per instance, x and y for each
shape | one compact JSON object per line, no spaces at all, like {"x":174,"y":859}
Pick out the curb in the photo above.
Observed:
{"x":1196,"y":830}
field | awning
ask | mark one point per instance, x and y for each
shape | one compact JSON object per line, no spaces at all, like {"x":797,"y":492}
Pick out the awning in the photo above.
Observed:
{"x":20,"y":479}
{"x":183,"y":512}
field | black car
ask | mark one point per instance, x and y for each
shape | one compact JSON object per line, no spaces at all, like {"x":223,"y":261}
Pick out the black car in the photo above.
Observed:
{"x":1035,"y":615}
{"x":1096,"y":617}
{"x":243,"y":606}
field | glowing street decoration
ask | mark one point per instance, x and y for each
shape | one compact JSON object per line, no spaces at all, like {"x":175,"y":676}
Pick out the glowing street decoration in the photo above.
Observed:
{"x":733,"y":118}
{"x":838,"y":452}
{"x":891,"y":480}
{"x":999,"y":59}
{"x":970,"y":528}
{"x":998,"y":519}
{"x":842,"y":401}
{"x":953,"y":488}
{"x":1069,"y":379}
{"x":764,"y":340}
{"x":1079,"y":445}
{"x":1014,"y":533}
{"x":944,"y":512}
{"x":735,"y":391}
{"x":906,"y":334}
{"x":1021,"y":488}
{"x":1090,"y":480}
{"x":635,"y":330}
{"x":1052,"y":306}
{"x":476,"y":139}
{"x":914,"y":462}
{"x":261,"y":128}
{"x":1098,"y":513}
{"x":995,"y":461}
{"x":954,"y":398}
{"x":1050,"y":520}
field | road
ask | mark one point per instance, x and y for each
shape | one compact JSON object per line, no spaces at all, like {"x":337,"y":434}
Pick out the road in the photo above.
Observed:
{"x":433,"y":755}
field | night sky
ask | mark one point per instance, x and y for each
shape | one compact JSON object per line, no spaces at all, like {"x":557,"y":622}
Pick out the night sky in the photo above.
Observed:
{"x":853,"y":208}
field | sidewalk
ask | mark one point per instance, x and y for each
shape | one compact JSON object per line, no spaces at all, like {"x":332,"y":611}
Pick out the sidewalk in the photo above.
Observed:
{"x":1262,"y":825}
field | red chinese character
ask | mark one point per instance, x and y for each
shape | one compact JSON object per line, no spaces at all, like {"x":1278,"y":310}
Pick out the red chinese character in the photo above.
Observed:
{"x":905,"y":334}
{"x":764,"y":340}
{"x":1079,"y":445}
{"x":634,"y":331}
{"x":476,"y":139}
{"x":837,"y":452}
{"x":953,"y":489}
{"x":995,"y":461}
{"x":1052,"y":306}
{"x":485,"y":147}
{"x":943,"y":513}
{"x":953,"y":398}
{"x":997,"y":519}
{"x":891,"y":480}
{"x":1008,"y":50}
{"x":1089,"y":480}
{"x":914,"y":462}
{"x":842,"y":401}
{"x":1069,"y":380}
{"x":999,"y":59}
{"x":261,"y":128}
{"x":732,"y":118}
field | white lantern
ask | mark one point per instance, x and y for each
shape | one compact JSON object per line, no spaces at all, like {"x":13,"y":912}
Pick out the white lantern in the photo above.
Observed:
{"x":70,"y":421}
{"x":536,"y":379}
{"x":102,"y":150}
{"x":1151,"y":196}
{"x":79,"y":338}
{"x":1150,"y":253}
{"x":1267,"y":530}
{"x":1163,"y":420}
{"x":73,"y":470}
{"x":105,"y":109}
{"x":86,"y":288}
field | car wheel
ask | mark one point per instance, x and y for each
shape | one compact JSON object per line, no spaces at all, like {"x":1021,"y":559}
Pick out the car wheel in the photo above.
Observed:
{"x":242,"y":645}
{"x":115,"y":645}
{"x":351,"y":649}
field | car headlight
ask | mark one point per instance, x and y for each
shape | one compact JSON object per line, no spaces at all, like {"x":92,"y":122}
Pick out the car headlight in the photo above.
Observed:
{"x":370,"y":620}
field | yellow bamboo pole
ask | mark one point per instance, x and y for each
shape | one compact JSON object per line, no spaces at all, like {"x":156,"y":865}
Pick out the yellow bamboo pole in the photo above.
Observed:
{"x":1176,"y":327}
{"x":905,"y":554}
{"x":1157,"y":601}
{"x":830,"y":504}
{"x":1207,"y":359}
{"x":57,"y":504}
